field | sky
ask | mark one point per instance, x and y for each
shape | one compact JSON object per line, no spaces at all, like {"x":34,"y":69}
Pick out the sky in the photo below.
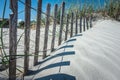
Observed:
{"x":21,"y":8}
{"x":44,"y":3}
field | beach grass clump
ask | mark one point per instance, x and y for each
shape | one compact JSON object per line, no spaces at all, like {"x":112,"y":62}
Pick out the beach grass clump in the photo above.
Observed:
{"x":114,"y":9}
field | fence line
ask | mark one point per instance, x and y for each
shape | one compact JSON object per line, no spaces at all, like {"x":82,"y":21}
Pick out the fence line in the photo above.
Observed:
{"x":84,"y":22}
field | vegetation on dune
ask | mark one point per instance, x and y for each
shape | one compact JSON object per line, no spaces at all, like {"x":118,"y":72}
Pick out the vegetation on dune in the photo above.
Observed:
{"x":109,"y":8}
{"x":21,"y":24}
{"x":114,"y":9}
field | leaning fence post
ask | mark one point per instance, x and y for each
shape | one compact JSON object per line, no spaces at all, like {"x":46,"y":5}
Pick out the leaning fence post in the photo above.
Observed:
{"x":76,"y":29}
{"x":27,"y":35}
{"x":54,"y":27}
{"x":67,"y":24}
{"x":13,"y":39}
{"x":46,"y":31}
{"x":61,"y":23}
{"x":80,"y":24}
{"x":71,"y":33}
{"x":37,"y":41}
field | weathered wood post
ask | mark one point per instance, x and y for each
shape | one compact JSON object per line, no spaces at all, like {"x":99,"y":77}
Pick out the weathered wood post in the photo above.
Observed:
{"x":27,"y":35}
{"x":84,"y":23}
{"x":46,"y":30}
{"x":13,"y":39}
{"x":37,"y":41}
{"x":80,"y":24}
{"x":61,"y":23}
{"x":91,"y":21}
{"x":54,"y":27}
{"x":67,"y":25}
{"x":71,"y":33}
{"x":87,"y":18}
{"x":76,"y":24}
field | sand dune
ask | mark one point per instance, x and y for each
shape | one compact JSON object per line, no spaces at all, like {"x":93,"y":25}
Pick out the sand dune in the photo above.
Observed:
{"x":92,"y":55}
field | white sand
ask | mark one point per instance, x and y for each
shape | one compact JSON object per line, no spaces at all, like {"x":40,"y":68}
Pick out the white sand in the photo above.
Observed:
{"x":93,"y":56}
{"x":20,"y":47}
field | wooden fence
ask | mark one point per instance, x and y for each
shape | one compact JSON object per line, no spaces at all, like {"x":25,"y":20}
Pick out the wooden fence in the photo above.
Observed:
{"x":81,"y":24}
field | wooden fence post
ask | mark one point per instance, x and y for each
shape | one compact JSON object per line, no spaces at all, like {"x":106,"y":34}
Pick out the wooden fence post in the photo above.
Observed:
{"x":87,"y":22}
{"x":46,"y":31}
{"x":13,"y":39}
{"x":80,"y":24}
{"x":27,"y":35}
{"x":67,"y":24}
{"x":84,"y":23}
{"x":91,"y":21}
{"x":71,"y":33}
{"x":61,"y":23}
{"x":37,"y":41}
{"x":54,"y":27}
{"x":76,"y":29}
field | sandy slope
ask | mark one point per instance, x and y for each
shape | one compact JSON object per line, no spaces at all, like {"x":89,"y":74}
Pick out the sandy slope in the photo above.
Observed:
{"x":92,"y":55}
